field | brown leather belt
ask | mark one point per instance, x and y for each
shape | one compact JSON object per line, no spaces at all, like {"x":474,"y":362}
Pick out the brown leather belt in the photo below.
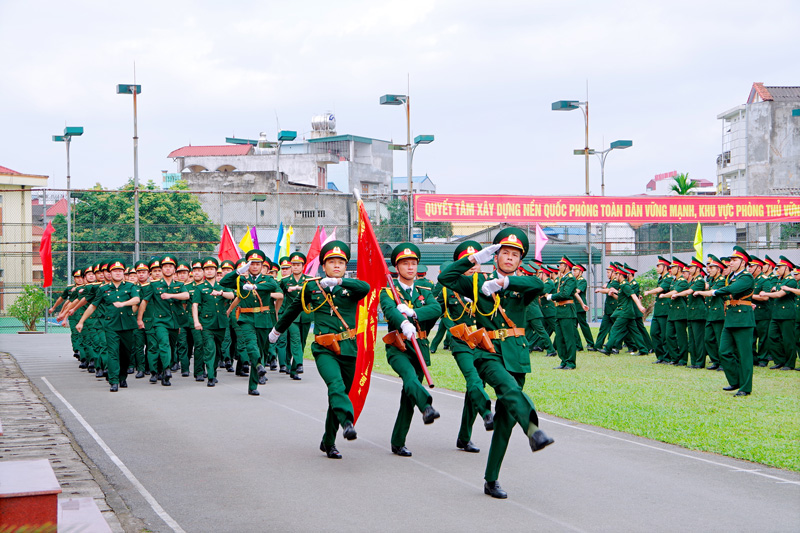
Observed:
{"x":501,"y":334}
{"x":253,"y":309}
{"x":564,"y":302}
{"x":736,"y":303}
{"x":349,"y":334}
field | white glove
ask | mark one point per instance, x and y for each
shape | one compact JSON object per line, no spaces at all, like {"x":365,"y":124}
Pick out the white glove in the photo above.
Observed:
{"x":273,"y":336}
{"x":549,"y":297}
{"x":329,"y":282}
{"x":408,"y":329}
{"x":406,"y":310}
{"x":242,"y":270}
{"x":468,"y":300}
{"x":249,"y":287}
{"x":494,"y":285}
{"x":487,"y":254}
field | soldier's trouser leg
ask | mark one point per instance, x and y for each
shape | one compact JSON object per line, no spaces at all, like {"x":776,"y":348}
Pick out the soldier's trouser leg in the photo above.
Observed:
{"x":583,"y":324}
{"x":227,"y":351}
{"x":75,"y":336}
{"x":182,"y":349}
{"x":476,"y":401}
{"x":413,"y":393}
{"x":736,"y":357}
{"x":282,"y":347}
{"x":697,"y":344}
{"x":118,"y":346}
{"x":152,"y":351}
{"x":549,"y":324}
{"x":618,"y":332}
{"x":95,"y":346}
{"x":199,"y":352}
{"x":440,"y":333}
{"x":781,"y":342}
{"x":211,"y":343}
{"x":512,"y":406}
{"x":294,"y":348}
{"x":761,"y":341}
{"x":711,"y":337}
{"x":162,"y":352}
{"x":605,"y":328}
{"x":647,"y":342}
{"x":658,"y":333}
{"x":305,"y":327}
{"x":337,"y":372}
{"x":677,"y":341}
{"x":137,"y":356}
{"x":542,"y":338}
{"x":565,"y":341}
{"x":251,"y":351}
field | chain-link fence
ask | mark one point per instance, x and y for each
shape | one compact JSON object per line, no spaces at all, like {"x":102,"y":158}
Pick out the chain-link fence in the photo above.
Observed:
{"x":188,"y":224}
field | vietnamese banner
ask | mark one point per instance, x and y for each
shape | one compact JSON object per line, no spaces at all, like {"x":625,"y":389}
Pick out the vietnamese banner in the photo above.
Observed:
{"x":630,"y":209}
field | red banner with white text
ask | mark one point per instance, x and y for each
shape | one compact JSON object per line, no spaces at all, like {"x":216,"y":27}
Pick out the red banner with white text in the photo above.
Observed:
{"x":630,"y":209}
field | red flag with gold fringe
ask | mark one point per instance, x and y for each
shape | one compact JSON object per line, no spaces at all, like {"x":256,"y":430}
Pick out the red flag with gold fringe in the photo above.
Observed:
{"x":372,"y":269}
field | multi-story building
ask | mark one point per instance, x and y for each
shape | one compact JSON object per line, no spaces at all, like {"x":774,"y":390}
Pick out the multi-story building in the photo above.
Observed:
{"x":419,"y":185}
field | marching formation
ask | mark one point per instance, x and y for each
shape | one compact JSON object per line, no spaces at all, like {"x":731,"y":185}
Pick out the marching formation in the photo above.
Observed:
{"x":167,"y":316}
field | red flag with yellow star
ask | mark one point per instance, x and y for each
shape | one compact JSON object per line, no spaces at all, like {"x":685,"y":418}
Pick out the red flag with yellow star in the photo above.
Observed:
{"x":372,"y":269}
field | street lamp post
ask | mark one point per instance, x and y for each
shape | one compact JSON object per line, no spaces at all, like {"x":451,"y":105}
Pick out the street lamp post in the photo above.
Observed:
{"x":283,"y":135}
{"x":134,"y":90}
{"x":69,"y":133}
{"x":405,"y":100}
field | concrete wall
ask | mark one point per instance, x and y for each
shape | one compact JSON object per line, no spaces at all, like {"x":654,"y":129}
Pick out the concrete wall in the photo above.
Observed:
{"x":773,"y":147}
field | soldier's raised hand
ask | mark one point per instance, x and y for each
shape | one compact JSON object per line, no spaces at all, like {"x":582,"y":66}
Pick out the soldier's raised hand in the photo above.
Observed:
{"x":242,"y":270}
{"x":487,"y":254}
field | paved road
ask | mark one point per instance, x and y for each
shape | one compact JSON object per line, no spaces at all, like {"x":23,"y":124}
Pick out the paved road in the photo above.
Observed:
{"x":219,"y":460}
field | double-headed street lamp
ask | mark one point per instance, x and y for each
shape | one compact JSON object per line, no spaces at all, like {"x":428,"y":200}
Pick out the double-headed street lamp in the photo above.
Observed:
{"x":134,"y":90}
{"x":405,"y":100}
{"x":69,"y":133}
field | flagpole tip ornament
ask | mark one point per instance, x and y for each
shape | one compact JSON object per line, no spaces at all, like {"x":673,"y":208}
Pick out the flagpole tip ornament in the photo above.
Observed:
{"x":514,"y":238}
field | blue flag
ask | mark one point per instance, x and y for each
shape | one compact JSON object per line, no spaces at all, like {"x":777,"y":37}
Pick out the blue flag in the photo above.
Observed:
{"x":277,"y":254}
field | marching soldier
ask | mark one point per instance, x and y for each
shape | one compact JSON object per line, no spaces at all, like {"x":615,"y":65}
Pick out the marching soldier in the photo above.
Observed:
{"x":715,"y":311}
{"x":677,"y":338}
{"x":534,"y":323}
{"x":501,"y":353}
{"x":196,"y":346}
{"x":297,"y":333}
{"x":93,"y":337}
{"x":624,"y":317}
{"x":71,"y":295}
{"x":580,"y":310}
{"x":736,"y":343}
{"x":782,"y":325}
{"x":333,"y":300}
{"x":644,"y":344}
{"x":210,"y":320}
{"x":185,"y":345}
{"x":658,"y":323}
{"x":609,"y":307}
{"x":763,"y":309}
{"x":281,"y":345}
{"x":547,"y":306}
{"x":696,"y":315}
{"x":253,"y":289}
{"x":443,"y":331}
{"x":145,"y":322}
{"x":405,"y":320}
{"x":116,"y":301}
{"x":459,"y":311}
{"x":139,"y":357}
{"x":564,"y":298}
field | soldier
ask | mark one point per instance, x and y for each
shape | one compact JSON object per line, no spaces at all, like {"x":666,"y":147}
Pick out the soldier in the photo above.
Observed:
{"x":696,"y":314}
{"x":115,"y":300}
{"x":92,"y":338}
{"x":609,"y":307}
{"x":624,"y":317}
{"x":736,"y":343}
{"x":210,"y":319}
{"x":715,"y":311}
{"x":763,"y":308}
{"x":547,"y":306}
{"x":253,"y":290}
{"x":145,"y":322}
{"x":534,"y":323}
{"x":564,"y":298}
{"x":281,"y":345}
{"x":501,"y":353}
{"x":297,"y":333}
{"x":677,"y":339}
{"x":142,"y":270}
{"x":443,"y":331}
{"x":196,"y":345}
{"x":334,"y":301}
{"x":405,"y":320}
{"x":71,"y":296}
{"x":185,"y":346}
{"x":422,"y":280}
{"x":658,"y":323}
{"x":580,"y":310}
{"x":459,"y":312}
{"x":782,"y":325}
{"x":230,"y":350}
{"x":644,"y":345}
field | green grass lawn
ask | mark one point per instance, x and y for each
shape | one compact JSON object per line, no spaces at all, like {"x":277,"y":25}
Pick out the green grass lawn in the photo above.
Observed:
{"x":671,"y":404}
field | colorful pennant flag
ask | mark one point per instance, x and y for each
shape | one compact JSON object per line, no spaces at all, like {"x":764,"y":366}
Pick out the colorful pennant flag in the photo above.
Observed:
{"x":277,"y":255}
{"x":247,"y":244}
{"x":46,"y":253}
{"x":698,"y":241}
{"x":227,"y":246}
{"x":541,"y":240}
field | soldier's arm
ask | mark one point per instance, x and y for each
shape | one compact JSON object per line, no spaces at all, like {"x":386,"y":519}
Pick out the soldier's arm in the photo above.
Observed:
{"x":738,"y":286}
{"x":357,"y":287}
{"x":529,"y":286}
{"x":229,"y":280}
{"x":292,"y":311}
{"x":431,"y":310}
{"x":58,"y":302}
{"x":86,"y":315}
{"x":567,"y":291}
{"x":452,"y":277}
{"x":268,"y":284}
{"x":393,"y":317}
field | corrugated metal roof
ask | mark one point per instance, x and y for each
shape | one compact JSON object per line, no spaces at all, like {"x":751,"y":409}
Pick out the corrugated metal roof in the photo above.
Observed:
{"x":334,"y":138}
{"x":784,"y":93}
{"x":5,"y":170}
{"x":199,"y":151}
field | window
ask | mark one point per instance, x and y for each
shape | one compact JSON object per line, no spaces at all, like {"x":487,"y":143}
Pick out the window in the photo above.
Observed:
{"x":365,"y":188}
{"x":309,"y":213}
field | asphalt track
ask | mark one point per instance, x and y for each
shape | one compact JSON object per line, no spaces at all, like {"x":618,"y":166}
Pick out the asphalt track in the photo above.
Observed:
{"x":190,"y":458}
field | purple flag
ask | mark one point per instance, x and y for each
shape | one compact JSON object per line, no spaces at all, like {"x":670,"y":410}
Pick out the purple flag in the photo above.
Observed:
{"x":254,"y":236}
{"x":541,"y":240}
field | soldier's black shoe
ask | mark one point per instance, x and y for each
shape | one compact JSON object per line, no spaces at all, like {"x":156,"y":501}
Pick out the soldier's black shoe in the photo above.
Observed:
{"x":253,"y":392}
{"x":76,"y":355}
{"x":762,"y":364}
{"x":165,"y":382}
{"x":488,"y":422}
{"x":695,"y":366}
{"x":348,"y":431}
{"x":199,"y":378}
{"x":261,"y":370}
{"x":614,"y":351}
{"x":539,"y":440}
{"x":273,"y":366}
{"x":167,"y":374}
{"x":139,"y":374}
{"x":114,"y":387}
{"x":228,"y":366}
{"x":429,"y":415}
{"x":330,"y":451}
{"x":82,"y":365}
{"x":221,"y":364}
{"x":153,"y":378}
{"x":729,"y":388}
{"x":742,"y":393}
{"x":184,"y":374}
{"x":282,"y":369}
{"x":603,"y":351}
{"x":402,"y":451}
{"x":98,"y":374}
{"x":493,"y":489}
{"x":536,"y":349}
{"x":785,"y":368}
{"x":467,"y":446}
{"x":551,"y":354}
{"x":211,"y":383}
{"x":262,"y":380}
{"x":591,"y":349}
{"x":174,"y":367}
{"x":131,"y":370}
{"x":123,"y":384}
{"x":295,"y":377}
{"x":299,"y":369}
{"x":714,"y":366}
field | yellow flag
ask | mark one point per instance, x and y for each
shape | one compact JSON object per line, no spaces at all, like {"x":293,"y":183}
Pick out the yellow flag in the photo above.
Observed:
{"x":698,"y":241}
{"x":288,"y":239}
{"x":246,"y":244}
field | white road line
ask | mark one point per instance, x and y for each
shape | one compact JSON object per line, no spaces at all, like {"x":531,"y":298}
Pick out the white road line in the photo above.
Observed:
{"x":116,"y":460}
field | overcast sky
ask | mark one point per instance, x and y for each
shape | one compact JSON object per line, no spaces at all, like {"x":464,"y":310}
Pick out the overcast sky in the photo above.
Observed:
{"x":482,"y":78}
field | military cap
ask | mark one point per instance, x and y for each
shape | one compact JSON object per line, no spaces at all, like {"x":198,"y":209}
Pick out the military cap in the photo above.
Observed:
{"x":297,"y":257}
{"x":392,"y":270}
{"x":769,"y":261}
{"x":77,"y":273}
{"x":422,"y":270}
{"x":785,"y":261}
{"x":567,"y":261}
{"x":335,"y":249}
{"x":726,"y":260}
{"x":198,"y":263}
{"x":754,"y":260}
{"x":116,"y":265}
{"x":141,"y":265}
{"x":677,"y":263}
{"x":534,"y":265}
{"x":514,"y":237}
{"x":130,"y":270}
{"x":466,"y":248}
{"x":741,"y":253}
{"x":628,"y":269}
{"x":405,"y":250}
{"x":104,"y":267}
{"x":273,"y":266}
{"x":696,"y":262}
{"x":255,"y":255}
{"x":155,"y":263}
{"x":89,"y":268}
{"x":525,"y":268}
{"x":284,"y":261}
{"x":581,"y":267}
{"x":210,"y":262}
{"x":663,"y":261}
{"x":182,"y":265}
{"x":713,"y":260}
{"x":168,"y":260}
{"x":230,"y":264}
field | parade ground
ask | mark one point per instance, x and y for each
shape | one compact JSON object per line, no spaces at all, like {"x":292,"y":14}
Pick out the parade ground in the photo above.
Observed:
{"x":191,"y":458}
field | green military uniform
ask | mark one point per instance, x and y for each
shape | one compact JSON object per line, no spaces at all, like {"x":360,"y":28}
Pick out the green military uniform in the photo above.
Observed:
{"x":580,"y":315}
{"x":71,"y":295}
{"x":624,"y":317}
{"x":563,"y":296}
{"x":443,"y":331}
{"x":336,"y":367}
{"x":535,"y":330}
{"x":736,"y":343}
{"x":715,"y":315}
{"x":677,"y":336}
{"x":782,"y":324}
{"x":696,"y":314}
{"x":658,"y":323}
{"x":213,"y":319}
{"x":297,"y":333}
{"x":762,"y":314}
{"x":94,"y":336}
{"x":183,"y":314}
{"x":254,"y":315}
{"x":139,"y":358}
{"x":607,"y":321}
{"x":503,"y":366}
{"x":421,"y":300}
{"x":639,"y":337}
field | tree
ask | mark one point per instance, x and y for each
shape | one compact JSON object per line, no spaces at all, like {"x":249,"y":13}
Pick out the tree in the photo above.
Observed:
{"x":103,"y":226}
{"x":683,"y":185}
{"x":647,"y":281}
{"x":29,"y":307}
{"x":395,"y":228}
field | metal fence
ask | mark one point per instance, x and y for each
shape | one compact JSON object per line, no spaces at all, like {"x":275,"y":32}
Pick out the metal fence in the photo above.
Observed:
{"x":187,"y":224}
